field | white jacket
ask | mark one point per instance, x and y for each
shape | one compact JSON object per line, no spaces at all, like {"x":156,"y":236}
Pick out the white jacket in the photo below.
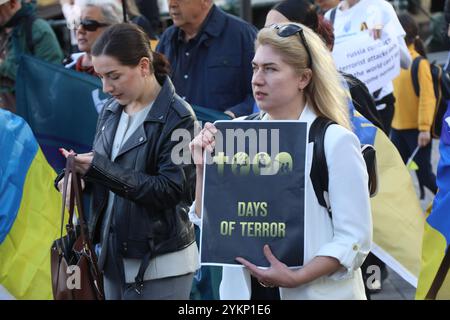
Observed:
{"x":346,"y":237}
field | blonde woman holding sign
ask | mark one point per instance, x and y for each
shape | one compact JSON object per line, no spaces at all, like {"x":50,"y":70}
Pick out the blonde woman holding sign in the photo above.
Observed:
{"x":294,"y":78}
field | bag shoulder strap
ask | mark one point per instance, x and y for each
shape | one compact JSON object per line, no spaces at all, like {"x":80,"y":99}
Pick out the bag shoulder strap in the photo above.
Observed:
{"x":69,"y":225}
{"x":88,"y":248}
{"x":319,"y":168}
{"x":75,"y":201}
{"x":76,"y":186}
{"x":415,"y":74}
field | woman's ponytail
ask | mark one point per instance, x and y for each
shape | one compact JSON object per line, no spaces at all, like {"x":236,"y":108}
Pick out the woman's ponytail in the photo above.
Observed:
{"x":412,"y":33}
{"x":161,"y":66}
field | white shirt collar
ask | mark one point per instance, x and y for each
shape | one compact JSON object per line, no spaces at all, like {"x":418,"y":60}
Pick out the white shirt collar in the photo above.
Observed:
{"x":308,"y":115}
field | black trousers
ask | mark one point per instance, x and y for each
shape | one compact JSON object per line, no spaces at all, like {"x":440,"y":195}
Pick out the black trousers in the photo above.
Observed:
{"x":406,"y":142}
{"x":386,"y":116}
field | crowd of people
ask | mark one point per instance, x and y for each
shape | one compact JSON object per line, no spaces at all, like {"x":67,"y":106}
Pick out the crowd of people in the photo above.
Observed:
{"x":144,"y":207}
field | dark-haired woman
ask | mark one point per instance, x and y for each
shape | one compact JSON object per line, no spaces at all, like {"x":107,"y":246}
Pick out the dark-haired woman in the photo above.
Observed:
{"x":140,"y":191}
{"x":414,"y":114}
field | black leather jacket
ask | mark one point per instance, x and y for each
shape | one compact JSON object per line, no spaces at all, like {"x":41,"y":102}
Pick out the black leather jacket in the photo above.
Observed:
{"x":153,"y":194}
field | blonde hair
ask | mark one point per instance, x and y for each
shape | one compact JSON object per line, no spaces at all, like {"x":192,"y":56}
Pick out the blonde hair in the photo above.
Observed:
{"x":325,"y":92}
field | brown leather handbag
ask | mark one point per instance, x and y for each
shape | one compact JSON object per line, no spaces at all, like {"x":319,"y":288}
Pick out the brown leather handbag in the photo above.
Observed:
{"x":75,"y":274}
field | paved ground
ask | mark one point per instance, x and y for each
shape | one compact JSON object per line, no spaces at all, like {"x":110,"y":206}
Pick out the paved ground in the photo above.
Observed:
{"x":394,"y":287}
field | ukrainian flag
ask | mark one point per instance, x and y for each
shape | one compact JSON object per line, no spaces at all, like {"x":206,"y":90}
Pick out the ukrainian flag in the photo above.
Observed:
{"x":436,"y":238}
{"x":29,"y":211}
{"x":396,"y":213}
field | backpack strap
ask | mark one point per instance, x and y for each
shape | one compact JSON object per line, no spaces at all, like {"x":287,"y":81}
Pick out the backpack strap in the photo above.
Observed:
{"x":255,"y":116}
{"x":333,"y":15}
{"x":415,"y":74}
{"x":319,"y":168}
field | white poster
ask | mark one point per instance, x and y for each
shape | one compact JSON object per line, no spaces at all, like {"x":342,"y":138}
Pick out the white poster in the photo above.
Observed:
{"x":374,"y":62}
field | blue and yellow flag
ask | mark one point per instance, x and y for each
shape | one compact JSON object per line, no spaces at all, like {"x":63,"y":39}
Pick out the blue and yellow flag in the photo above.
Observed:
{"x":396,"y":213}
{"x":436,"y":238}
{"x":29,"y":211}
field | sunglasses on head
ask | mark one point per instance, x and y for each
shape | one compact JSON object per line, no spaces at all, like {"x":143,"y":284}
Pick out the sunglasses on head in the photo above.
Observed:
{"x":90,"y":25}
{"x":288,"y":30}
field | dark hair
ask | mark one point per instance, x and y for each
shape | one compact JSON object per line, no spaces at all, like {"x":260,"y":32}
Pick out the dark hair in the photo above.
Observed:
{"x":129,"y":44}
{"x":300,"y":11}
{"x":304,"y":12}
{"x":326,"y":31}
{"x":412,"y":33}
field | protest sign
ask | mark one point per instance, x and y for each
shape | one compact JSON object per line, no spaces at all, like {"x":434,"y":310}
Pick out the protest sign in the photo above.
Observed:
{"x":254,"y":193}
{"x":374,"y":62}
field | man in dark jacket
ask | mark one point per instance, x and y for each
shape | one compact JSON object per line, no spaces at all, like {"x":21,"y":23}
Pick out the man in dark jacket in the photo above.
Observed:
{"x":210,"y":53}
